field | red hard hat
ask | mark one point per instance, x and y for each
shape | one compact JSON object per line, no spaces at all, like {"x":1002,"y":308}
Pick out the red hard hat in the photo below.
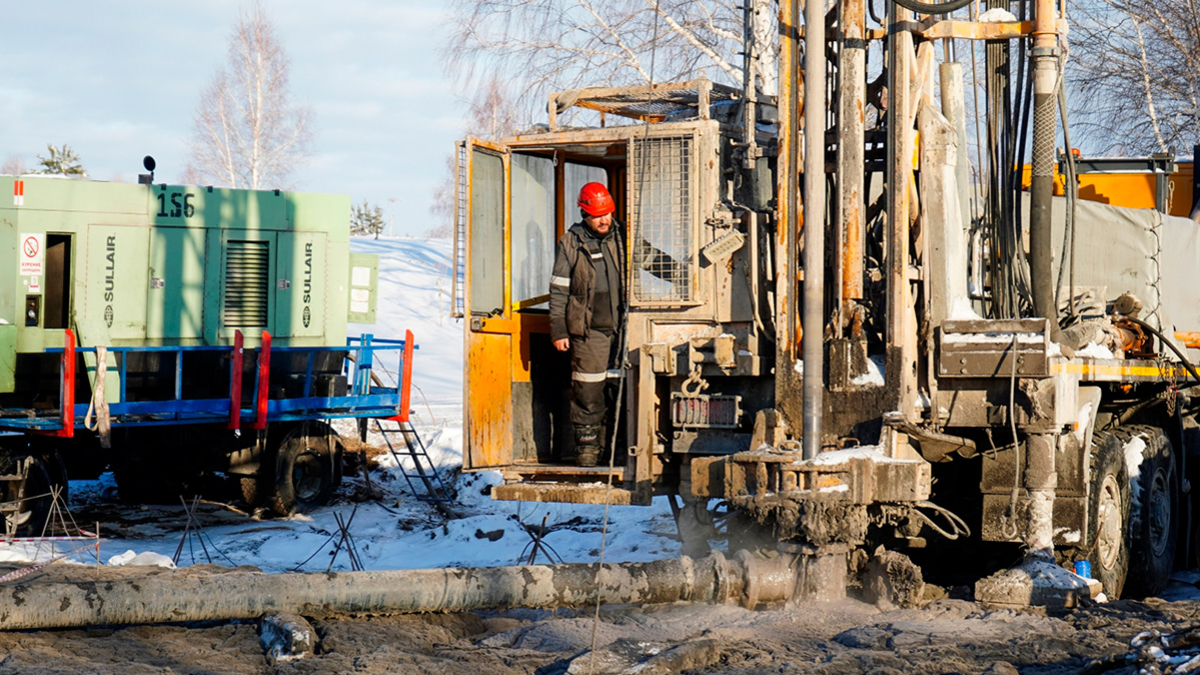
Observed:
{"x":595,"y":200}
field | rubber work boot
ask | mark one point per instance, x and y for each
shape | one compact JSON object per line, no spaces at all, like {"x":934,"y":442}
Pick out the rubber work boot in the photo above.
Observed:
{"x":587,"y":445}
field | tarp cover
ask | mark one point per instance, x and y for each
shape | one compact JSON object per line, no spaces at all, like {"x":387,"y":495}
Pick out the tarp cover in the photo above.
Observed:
{"x":1141,"y":251}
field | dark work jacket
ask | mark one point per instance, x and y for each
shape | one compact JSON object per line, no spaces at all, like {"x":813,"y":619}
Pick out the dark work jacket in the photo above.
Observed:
{"x":573,"y":280}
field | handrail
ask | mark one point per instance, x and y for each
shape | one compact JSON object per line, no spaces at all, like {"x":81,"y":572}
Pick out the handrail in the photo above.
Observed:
{"x":364,"y":401}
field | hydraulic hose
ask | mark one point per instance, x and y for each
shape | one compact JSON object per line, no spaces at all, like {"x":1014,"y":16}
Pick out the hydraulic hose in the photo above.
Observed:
{"x":1170,"y":345}
{"x":932,"y":7}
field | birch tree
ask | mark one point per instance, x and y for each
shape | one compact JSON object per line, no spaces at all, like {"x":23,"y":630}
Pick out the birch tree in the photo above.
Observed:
{"x":545,"y":45}
{"x":247,"y":133}
{"x":13,"y":166}
{"x":1135,"y":66}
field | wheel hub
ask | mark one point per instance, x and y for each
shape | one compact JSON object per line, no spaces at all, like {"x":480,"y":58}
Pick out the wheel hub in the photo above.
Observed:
{"x":1109,"y":535}
{"x":307,"y":475}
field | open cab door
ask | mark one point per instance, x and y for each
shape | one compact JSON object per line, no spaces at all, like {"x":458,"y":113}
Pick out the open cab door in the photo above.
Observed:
{"x":516,"y":406}
{"x":487,"y":403}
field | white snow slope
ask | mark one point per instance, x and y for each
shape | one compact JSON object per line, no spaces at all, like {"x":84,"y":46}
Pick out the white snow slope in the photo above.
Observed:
{"x":400,"y":532}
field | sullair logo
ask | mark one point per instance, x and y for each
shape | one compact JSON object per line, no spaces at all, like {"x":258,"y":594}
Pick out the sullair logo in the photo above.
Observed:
{"x":110,"y":274}
{"x":306,"y":315}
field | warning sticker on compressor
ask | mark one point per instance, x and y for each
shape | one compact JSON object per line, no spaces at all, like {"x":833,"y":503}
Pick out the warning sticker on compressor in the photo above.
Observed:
{"x":32,"y":253}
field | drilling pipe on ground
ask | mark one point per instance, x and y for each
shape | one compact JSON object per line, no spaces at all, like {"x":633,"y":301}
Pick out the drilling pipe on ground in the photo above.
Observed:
{"x":179,"y":596}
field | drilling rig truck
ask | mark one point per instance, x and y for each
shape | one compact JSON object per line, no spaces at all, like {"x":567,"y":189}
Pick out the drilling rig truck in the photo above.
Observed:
{"x":859,"y":344}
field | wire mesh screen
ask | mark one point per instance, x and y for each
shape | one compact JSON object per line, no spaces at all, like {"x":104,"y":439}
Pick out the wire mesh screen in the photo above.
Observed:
{"x":661,"y":241}
{"x":460,"y":229}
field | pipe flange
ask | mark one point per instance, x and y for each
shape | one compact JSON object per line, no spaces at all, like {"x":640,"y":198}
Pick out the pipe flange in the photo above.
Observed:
{"x":750,"y":587}
{"x":720,"y":577}
{"x":689,"y":578}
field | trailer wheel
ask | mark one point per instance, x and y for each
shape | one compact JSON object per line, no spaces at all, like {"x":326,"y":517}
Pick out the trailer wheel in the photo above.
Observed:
{"x":305,"y":474}
{"x":34,"y":509}
{"x":1108,"y":514}
{"x":1153,"y":514}
{"x":250,"y":488}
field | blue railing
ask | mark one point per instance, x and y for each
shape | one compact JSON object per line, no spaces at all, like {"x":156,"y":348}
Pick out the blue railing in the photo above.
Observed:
{"x":362,"y":400}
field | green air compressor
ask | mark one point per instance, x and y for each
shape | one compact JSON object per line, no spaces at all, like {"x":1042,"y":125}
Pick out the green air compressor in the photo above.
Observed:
{"x":166,"y":279}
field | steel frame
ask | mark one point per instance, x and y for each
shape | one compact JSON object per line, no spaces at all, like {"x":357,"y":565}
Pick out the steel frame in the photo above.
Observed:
{"x":364,"y":400}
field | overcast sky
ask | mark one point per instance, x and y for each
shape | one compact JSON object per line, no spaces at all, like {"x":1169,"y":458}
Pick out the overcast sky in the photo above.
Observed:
{"x":118,"y":80}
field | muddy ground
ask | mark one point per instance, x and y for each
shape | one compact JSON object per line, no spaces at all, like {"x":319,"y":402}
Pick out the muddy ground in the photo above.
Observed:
{"x":949,"y":634}
{"x":946,"y":636}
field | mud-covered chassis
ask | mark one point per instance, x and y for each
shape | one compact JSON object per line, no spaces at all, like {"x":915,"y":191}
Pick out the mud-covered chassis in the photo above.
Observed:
{"x":998,"y":381}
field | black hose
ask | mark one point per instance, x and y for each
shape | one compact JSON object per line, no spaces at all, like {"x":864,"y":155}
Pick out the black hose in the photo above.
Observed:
{"x":932,"y":7}
{"x":871,"y":10}
{"x":1171,"y":345}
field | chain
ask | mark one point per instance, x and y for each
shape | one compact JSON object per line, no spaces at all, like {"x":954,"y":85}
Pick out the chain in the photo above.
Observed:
{"x":1172,"y":386}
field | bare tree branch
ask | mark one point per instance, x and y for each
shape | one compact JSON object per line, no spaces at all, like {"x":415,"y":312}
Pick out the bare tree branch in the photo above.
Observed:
{"x":1135,"y":65}
{"x":545,"y":45}
{"x":246,"y":133}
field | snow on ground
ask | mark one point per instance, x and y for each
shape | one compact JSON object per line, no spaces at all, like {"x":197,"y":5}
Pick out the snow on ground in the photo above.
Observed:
{"x":397,"y":532}
{"x":400,"y":532}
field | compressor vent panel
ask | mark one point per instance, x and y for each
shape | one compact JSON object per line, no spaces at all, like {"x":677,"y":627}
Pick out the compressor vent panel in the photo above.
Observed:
{"x":247,"y":282}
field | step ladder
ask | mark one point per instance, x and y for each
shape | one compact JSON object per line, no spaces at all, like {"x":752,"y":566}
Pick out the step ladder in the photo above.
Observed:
{"x":424,"y":472}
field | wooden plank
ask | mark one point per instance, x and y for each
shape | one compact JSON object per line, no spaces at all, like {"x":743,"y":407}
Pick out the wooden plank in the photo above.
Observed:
{"x":566,"y":494}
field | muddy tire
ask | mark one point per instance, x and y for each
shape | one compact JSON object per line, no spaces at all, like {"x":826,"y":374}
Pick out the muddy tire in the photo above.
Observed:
{"x":1107,"y":544}
{"x":34,"y":509}
{"x":306,"y":474}
{"x":250,"y":489}
{"x":1154,"y":510}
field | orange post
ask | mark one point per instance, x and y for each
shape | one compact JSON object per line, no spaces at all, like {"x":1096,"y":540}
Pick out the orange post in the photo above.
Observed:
{"x":264,"y":377}
{"x":235,"y":383}
{"x":405,"y":378}
{"x":66,"y":391}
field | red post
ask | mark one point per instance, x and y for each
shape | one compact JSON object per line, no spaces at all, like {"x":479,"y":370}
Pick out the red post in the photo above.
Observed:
{"x":66,"y":391}
{"x":235,"y":383}
{"x":405,"y":377}
{"x":264,"y":379}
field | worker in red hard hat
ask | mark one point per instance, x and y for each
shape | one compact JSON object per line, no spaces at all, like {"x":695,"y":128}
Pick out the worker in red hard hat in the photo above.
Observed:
{"x":586,"y":313}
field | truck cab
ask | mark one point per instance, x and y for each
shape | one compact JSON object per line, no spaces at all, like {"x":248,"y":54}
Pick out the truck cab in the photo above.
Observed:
{"x":697,"y":334}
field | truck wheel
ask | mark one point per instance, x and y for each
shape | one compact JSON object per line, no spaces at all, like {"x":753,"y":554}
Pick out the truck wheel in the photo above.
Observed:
{"x":249,"y":487}
{"x":34,"y":509}
{"x":1108,"y":514}
{"x":305,"y":474}
{"x":1153,"y":515}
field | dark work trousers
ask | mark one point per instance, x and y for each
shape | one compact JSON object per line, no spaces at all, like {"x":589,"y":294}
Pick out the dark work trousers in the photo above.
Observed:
{"x":591,"y":358}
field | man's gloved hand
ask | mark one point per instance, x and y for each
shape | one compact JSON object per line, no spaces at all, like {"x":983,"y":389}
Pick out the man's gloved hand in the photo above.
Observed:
{"x":562,"y":345}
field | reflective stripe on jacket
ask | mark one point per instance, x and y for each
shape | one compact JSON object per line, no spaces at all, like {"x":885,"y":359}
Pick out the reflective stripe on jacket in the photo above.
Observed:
{"x":573,"y":279}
